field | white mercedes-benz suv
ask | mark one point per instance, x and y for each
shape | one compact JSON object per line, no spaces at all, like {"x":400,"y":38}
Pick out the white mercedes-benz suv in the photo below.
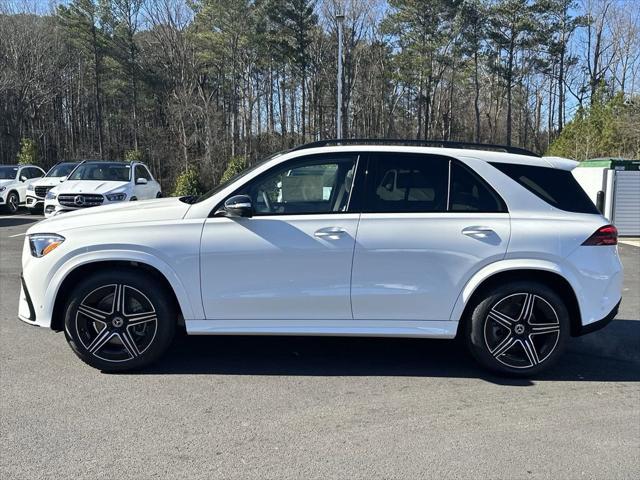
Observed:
{"x":14,"y":182}
{"x":95,"y":183}
{"x":37,"y":190}
{"x":501,"y":248}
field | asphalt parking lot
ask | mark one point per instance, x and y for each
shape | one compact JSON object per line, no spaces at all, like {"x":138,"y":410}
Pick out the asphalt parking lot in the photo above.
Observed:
{"x":272,"y":407}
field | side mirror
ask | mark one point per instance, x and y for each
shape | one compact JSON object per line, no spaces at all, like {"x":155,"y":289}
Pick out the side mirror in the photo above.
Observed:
{"x":238,"y":206}
{"x":63,"y":179}
{"x":141,"y":181}
{"x":23,"y":178}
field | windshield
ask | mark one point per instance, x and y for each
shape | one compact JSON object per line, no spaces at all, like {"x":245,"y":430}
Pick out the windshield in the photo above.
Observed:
{"x":8,"y":173}
{"x":61,"y":170}
{"x":104,"y":171}
{"x":237,"y":176}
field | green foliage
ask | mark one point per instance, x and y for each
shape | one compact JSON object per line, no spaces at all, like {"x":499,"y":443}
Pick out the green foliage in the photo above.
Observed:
{"x":188,"y":183}
{"x":133,"y":155}
{"x":28,"y":152}
{"x":234,"y":167}
{"x":606,"y":128}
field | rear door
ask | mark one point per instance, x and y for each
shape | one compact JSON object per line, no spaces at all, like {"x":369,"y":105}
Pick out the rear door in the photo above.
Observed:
{"x":428,"y":223}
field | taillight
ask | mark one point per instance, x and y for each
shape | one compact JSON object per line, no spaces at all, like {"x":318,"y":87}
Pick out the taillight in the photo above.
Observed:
{"x":607,"y":235}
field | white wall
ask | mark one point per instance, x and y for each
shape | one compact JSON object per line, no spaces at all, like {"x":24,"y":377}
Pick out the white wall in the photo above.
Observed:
{"x":590,"y":179}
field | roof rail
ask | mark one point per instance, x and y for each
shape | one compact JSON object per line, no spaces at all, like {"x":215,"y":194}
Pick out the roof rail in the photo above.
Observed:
{"x":417,"y":143}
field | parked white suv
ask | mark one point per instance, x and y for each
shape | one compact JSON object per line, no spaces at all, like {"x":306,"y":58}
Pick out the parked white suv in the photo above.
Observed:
{"x":101,"y":183}
{"x":502,"y":249}
{"x":38,"y":189}
{"x":14,"y":181}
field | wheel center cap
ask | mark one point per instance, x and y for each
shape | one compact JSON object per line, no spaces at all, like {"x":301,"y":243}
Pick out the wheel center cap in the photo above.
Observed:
{"x":117,"y":322}
{"x":518,"y":328}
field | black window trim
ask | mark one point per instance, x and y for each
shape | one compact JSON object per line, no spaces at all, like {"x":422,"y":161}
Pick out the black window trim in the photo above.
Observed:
{"x":428,"y":157}
{"x":352,"y":206}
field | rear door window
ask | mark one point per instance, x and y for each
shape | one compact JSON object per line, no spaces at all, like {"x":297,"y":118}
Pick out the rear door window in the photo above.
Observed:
{"x":469,"y":193}
{"x":557,"y":187}
{"x":407,"y":183}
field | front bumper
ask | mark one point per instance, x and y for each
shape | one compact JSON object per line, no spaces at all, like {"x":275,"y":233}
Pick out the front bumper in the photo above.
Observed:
{"x":26,"y":312}
{"x":35,"y":202}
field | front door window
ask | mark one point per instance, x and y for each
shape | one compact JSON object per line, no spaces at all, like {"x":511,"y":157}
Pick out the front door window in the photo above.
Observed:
{"x":307,"y":186}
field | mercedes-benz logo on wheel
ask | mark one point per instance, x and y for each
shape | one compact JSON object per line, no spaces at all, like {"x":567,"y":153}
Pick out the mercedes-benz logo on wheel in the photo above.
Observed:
{"x":79,"y":200}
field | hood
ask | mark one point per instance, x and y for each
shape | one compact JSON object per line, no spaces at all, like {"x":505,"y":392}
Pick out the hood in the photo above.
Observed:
{"x":47,"y":182}
{"x":155,"y":210}
{"x":88,"y":186}
{"x":6,"y":182}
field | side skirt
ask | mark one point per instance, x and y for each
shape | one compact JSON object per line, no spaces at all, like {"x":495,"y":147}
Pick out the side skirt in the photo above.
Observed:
{"x":347,"y":328}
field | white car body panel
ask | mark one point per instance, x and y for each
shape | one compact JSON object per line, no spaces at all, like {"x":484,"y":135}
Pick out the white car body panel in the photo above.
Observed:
{"x":272,"y":249}
{"x":411,"y":266}
{"x":272,"y":275}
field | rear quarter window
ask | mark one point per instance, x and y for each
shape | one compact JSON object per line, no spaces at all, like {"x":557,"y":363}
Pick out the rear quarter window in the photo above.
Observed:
{"x":557,"y":187}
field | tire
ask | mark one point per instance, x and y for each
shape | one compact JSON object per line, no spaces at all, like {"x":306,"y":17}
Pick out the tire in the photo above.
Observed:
{"x":519,"y":329}
{"x":12,"y":204}
{"x":159,"y":195}
{"x":114,"y":332}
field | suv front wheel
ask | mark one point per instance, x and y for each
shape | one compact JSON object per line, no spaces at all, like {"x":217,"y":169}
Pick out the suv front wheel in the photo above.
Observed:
{"x":119,"y":320}
{"x":518,"y":329}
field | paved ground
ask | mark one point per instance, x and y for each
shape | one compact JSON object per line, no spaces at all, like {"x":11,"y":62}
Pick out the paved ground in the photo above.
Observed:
{"x":233,"y":407}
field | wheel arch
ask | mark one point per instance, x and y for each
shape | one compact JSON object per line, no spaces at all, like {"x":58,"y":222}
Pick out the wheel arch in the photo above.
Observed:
{"x":475,"y":290}
{"x":74,"y":275}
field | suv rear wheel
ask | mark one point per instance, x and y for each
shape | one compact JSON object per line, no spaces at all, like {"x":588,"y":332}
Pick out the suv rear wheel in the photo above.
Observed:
{"x":119,"y":320}
{"x":518,"y":329}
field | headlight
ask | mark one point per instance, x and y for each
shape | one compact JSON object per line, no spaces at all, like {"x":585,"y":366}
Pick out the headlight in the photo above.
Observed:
{"x":31,"y":188}
{"x":2,"y":189}
{"x":116,"y":197}
{"x":50,"y":196}
{"x":43,"y":243}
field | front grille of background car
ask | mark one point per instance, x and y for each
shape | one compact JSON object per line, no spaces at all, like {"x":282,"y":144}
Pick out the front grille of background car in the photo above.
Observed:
{"x":42,"y":191}
{"x":72,"y":200}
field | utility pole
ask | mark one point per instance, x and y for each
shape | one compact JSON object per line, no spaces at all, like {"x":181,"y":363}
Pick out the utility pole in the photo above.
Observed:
{"x":340,"y":20}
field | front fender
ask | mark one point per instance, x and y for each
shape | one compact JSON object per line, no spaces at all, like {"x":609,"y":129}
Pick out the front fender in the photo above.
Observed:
{"x":78,"y":260}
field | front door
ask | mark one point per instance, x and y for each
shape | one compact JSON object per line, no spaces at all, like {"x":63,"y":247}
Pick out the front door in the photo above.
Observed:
{"x":292,"y":259}
{"x":143,"y":191}
{"x":428,"y":223}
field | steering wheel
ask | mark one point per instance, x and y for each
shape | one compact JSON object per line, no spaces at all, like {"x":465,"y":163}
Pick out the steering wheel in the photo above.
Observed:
{"x":267,"y":202}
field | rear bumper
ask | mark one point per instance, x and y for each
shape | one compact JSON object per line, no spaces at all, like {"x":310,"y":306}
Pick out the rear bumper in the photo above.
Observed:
{"x":598,"y":324}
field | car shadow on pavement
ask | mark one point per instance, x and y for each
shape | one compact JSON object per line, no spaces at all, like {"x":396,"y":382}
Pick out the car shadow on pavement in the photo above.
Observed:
{"x":14,"y":222}
{"x":607,"y":356}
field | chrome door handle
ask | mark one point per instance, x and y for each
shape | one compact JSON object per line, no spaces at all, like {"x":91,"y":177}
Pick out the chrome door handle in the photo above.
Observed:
{"x":477,"y":231}
{"x":329,"y":232}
